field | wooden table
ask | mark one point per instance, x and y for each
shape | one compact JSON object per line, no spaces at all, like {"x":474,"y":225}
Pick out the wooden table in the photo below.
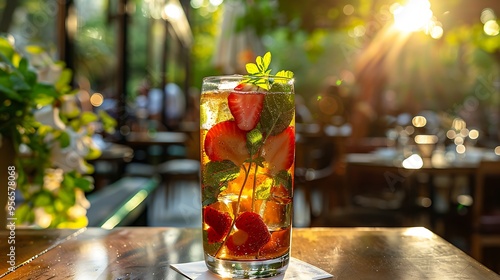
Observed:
{"x":365,"y":171}
{"x":146,"y":253}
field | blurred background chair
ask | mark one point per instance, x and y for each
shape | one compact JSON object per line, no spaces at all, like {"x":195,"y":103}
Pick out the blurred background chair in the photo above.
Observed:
{"x":486,"y":212}
{"x":180,"y":185}
{"x":317,"y":173}
{"x":371,"y":200}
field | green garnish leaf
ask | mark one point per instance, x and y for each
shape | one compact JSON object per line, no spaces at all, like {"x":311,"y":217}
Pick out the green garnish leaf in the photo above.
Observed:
{"x":284,"y":73}
{"x":210,"y":193}
{"x":216,"y":176}
{"x":252,"y":69}
{"x":258,"y":70}
{"x":218,"y":172}
{"x":277,"y":113}
{"x":263,"y":191}
{"x":264,"y":62}
{"x":254,"y":141}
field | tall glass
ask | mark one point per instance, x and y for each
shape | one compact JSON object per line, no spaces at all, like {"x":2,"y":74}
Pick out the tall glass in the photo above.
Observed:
{"x":247,"y":168}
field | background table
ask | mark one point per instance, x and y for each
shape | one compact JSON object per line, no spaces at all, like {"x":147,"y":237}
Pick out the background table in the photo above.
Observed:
{"x":146,"y":253}
{"x":156,"y":138}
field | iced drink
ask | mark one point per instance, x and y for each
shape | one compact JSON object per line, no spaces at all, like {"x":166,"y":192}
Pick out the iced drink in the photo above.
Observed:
{"x":247,"y":164}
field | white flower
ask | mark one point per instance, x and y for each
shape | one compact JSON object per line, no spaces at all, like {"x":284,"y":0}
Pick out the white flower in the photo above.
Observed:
{"x":73,"y":156}
{"x":52,"y":179}
{"x":42,"y":218}
{"x":48,"y":72}
{"x":68,"y":159}
{"x":76,"y":211}
{"x":69,"y":105}
{"x":81,"y":199}
{"x":81,"y":205}
{"x":49,"y":115}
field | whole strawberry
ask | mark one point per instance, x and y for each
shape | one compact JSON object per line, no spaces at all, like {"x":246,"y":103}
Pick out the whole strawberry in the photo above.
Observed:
{"x":252,"y":234}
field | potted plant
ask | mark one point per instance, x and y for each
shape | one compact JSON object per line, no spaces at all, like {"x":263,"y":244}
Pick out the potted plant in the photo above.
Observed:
{"x":47,"y":138}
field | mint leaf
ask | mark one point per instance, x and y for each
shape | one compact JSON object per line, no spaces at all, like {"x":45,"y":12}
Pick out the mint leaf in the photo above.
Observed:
{"x":263,"y":191}
{"x":260,"y":71}
{"x":254,"y":141}
{"x":252,"y":68}
{"x":216,"y":175}
{"x":210,"y":193}
{"x":277,"y":113}
{"x":264,"y":62}
{"x":259,"y":79}
{"x":217,"y":172}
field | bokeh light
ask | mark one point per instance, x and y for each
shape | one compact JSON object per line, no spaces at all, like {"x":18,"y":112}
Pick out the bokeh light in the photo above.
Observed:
{"x":458,"y":140}
{"x":460,"y":149}
{"x":491,"y":28}
{"x":96,"y":99}
{"x":348,"y":10}
{"x":436,"y":32}
{"x":413,"y":162}
{"x":413,"y":16}
{"x":487,"y":15}
{"x":419,"y":121}
{"x":473,"y":134}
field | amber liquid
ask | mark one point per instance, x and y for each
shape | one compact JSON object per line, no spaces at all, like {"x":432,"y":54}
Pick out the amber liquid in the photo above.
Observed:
{"x":243,"y":194}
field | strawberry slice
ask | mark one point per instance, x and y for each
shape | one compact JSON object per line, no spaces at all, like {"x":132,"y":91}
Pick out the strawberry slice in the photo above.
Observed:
{"x":278,"y":151}
{"x":246,"y":107}
{"x":225,"y":141}
{"x":251,"y":235}
{"x":219,"y":224}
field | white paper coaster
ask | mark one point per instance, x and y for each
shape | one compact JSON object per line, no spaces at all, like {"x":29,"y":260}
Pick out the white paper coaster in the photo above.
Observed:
{"x":297,"y":270}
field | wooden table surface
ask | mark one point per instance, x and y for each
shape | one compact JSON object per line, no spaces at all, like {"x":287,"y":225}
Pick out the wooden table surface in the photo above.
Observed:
{"x":145,"y":253}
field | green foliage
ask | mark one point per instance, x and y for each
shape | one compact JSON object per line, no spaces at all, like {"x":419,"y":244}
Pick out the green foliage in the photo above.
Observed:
{"x":50,"y":191}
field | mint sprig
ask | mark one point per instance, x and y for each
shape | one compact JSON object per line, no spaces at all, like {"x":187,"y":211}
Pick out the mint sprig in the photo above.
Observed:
{"x":259,"y":72}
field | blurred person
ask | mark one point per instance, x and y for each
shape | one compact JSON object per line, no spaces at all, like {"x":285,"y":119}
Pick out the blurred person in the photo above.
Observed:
{"x":174,"y":105}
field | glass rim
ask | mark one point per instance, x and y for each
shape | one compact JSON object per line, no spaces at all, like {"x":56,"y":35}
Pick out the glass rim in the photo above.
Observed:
{"x":241,"y":77}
